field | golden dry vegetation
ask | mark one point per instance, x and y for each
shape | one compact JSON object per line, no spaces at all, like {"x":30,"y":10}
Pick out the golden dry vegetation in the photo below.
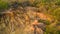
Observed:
{"x":30,"y":17}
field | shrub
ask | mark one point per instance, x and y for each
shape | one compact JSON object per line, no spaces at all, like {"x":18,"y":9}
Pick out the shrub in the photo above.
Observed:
{"x":3,"y":5}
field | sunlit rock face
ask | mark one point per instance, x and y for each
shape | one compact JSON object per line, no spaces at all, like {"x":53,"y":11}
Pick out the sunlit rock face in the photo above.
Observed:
{"x":21,"y":21}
